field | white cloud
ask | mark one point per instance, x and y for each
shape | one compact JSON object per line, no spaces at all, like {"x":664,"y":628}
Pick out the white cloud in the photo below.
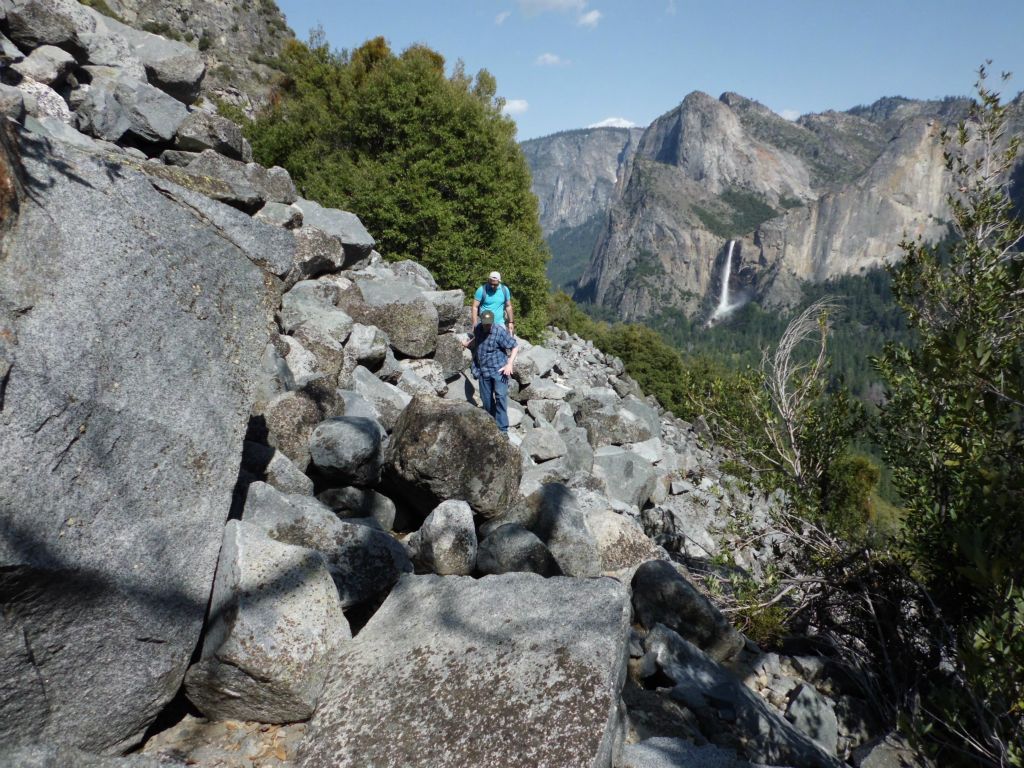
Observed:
{"x":613,"y":122}
{"x":515,"y":106}
{"x":502,"y":17}
{"x":589,"y":19}
{"x":532,"y":7}
{"x":789,"y":114}
{"x":550,"y":60}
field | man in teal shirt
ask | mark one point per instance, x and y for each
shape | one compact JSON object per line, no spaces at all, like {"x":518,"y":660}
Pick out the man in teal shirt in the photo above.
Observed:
{"x":498,"y":299}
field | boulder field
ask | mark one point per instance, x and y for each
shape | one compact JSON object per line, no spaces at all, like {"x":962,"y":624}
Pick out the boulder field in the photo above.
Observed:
{"x":247,"y":478}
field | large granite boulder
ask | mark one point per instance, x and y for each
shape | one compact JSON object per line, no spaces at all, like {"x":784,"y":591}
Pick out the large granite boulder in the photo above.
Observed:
{"x":662,"y":596}
{"x":349,"y":449}
{"x":447,"y":450}
{"x":510,"y":548}
{"x":562,"y":526}
{"x":622,"y":543}
{"x":514,"y":670}
{"x":446,"y":542}
{"x":626,"y":475}
{"x":31,"y":23}
{"x":344,"y":227}
{"x":112,"y":108}
{"x":275,"y":623}
{"x":202,"y":130}
{"x":723,"y":703}
{"x":173,"y":67}
{"x":121,"y":441}
{"x":47,"y":64}
{"x":398,"y":308}
{"x":363,"y":561}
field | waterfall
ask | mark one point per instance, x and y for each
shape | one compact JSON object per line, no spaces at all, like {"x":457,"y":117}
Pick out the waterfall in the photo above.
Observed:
{"x":724,"y":307}
{"x":723,"y":302}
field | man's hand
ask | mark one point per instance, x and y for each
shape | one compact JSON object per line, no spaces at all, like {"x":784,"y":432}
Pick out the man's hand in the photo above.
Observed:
{"x":506,"y":370}
{"x":466,"y":342}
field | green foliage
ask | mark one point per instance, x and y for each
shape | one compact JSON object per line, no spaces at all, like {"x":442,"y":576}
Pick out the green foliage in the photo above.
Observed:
{"x":100,"y":6}
{"x":161,"y":28}
{"x":428,"y":163}
{"x":953,"y":431}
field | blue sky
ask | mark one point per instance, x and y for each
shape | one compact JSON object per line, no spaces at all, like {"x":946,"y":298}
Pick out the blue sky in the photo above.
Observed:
{"x":563,"y":64}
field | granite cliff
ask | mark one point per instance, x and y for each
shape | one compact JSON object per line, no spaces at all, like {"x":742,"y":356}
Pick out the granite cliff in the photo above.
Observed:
{"x":577,"y":175}
{"x":827,"y":195}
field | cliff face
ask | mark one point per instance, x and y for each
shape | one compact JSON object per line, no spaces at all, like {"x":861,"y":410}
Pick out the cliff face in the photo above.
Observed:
{"x":828,"y":195}
{"x":576,"y":174}
{"x":238,"y":40}
{"x":576,"y":177}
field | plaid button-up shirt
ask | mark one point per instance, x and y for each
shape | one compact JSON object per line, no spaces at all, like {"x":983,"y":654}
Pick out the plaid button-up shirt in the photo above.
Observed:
{"x":491,"y":351}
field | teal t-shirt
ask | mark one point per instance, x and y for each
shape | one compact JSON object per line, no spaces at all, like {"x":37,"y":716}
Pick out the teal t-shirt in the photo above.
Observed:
{"x":494,"y":299}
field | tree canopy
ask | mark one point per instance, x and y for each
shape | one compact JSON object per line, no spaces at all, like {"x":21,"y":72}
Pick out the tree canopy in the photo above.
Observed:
{"x":426,"y":160}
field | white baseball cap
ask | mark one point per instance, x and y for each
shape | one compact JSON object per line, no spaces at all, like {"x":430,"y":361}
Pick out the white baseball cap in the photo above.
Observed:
{"x":494,"y":276}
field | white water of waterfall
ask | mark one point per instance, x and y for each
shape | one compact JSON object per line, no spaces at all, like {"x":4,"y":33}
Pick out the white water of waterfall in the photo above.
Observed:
{"x":724,"y":307}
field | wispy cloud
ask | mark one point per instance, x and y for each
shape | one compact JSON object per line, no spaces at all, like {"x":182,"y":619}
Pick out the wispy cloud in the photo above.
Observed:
{"x":613,"y":122}
{"x":790,"y":114}
{"x":502,"y":17}
{"x":533,"y":7}
{"x":550,"y":60}
{"x":670,"y":9}
{"x":589,"y":19}
{"x":515,"y":106}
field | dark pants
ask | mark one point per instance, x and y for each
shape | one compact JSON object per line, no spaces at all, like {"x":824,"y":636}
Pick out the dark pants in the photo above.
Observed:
{"x":494,"y":394}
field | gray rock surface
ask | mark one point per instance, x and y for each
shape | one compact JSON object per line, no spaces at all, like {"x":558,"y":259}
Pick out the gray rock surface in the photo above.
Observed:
{"x":345,"y":227}
{"x":364,"y":562}
{"x":49,"y":756}
{"x":101,"y":403}
{"x":387,"y":400}
{"x":809,"y":711}
{"x":349,"y":449}
{"x":722,"y":702}
{"x":562,"y":526}
{"x":360,"y":502}
{"x":510,"y":548}
{"x":290,"y":419}
{"x":626,"y":475}
{"x":435,"y":454}
{"x":446,"y":542}
{"x":401,"y":311}
{"x":277,"y":469}
{"x":662,"y":596}
{"x":150,"y":114}
{"x":450,"y":306}
{"x":31,"y":23}
{"x":173,"y":67}
{"x":275,"y":624}
{"x":512,"y":670}
{"x":201,"y":131}
{"x":47,"y":64}
{"x":12,"y":103}
{"x":662,"y":752}
{"x":290,"y":217}
{"x":254,"y":183}
{"x":622,"y":543}
{"x":543,"y":444}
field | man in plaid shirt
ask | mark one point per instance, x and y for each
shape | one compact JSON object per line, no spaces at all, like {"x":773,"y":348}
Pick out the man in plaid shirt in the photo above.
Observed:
{"x":494,"y":353}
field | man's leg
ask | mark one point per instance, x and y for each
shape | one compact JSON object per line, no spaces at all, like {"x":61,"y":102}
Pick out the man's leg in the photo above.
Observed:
{"x":501,"y":402}
{"x":487,"y":392}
